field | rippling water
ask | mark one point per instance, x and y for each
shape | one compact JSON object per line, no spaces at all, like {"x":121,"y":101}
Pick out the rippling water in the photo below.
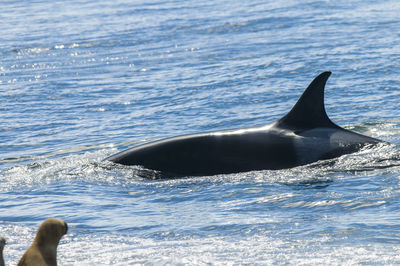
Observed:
{"x":81,"y":80}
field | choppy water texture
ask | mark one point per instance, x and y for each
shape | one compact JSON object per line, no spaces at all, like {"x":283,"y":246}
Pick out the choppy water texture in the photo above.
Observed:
{"x":81,"y":80}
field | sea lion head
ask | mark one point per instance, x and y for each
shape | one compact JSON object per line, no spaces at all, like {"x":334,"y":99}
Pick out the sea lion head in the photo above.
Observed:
{"x":43,"y":250}
{"x":2,"y":242}
{"x":50,"y":232}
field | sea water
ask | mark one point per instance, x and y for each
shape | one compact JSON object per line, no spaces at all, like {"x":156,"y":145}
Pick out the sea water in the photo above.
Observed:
{"x":82,"y":80}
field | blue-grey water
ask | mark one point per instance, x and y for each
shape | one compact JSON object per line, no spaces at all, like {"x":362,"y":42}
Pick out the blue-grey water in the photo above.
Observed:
{"x":81,"y":80}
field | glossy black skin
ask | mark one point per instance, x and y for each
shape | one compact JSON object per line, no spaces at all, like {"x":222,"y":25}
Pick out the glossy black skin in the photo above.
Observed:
{"x":209,"y":154}
{"x":303,"y":136}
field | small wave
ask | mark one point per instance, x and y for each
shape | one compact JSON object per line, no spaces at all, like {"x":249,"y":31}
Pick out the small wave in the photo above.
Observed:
{"x":39,"y":50}
{"x":383,"y":156}
{"x":56,"y":153}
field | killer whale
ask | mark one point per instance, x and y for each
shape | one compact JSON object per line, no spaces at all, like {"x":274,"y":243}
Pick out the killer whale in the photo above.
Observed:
{"x":303,"y":136}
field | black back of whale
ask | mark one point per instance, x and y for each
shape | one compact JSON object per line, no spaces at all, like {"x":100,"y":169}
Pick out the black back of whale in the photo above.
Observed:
{"x":304,"y":135}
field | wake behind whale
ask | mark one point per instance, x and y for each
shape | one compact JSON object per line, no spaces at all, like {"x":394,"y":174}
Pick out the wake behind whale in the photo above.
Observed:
{"x":303,"y":136}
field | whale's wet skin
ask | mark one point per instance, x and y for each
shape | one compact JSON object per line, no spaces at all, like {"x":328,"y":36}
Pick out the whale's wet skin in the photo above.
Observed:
{"x":81,"y":81}
{"x":303,"y":136}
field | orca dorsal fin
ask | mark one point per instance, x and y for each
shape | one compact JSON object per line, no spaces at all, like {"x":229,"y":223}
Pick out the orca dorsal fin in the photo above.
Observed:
{"x":309,"y":111}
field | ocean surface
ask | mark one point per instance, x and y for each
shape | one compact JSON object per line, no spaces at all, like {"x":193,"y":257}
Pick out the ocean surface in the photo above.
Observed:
{"x":82,"y":80}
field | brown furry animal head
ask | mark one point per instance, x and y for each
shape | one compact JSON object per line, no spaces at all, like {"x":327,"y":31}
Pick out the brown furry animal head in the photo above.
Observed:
{"x":43,"y":250}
